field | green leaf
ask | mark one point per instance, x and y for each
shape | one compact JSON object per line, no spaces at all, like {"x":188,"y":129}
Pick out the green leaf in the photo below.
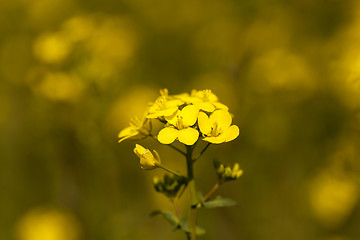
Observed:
{"x":170,"y":217}
{"x":184,"y":225}
{"x":219,"y":202}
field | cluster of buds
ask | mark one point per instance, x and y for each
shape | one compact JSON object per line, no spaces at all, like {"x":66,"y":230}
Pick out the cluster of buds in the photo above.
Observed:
{"x":170,"y":185}
{"x":226,"y":173}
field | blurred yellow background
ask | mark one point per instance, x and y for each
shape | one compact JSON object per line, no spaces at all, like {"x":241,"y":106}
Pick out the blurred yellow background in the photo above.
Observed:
{"x":73,"y":73}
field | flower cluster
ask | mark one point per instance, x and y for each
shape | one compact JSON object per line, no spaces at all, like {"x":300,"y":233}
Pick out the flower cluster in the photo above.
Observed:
{"x":186,"y":118}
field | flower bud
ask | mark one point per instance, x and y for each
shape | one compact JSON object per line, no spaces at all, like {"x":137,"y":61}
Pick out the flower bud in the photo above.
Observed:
{"x":170,"y":185}
{"x":147,"y":159}
{"x":158,"y":184}
{"x":221,"y":170}
{"x":228,"y":172}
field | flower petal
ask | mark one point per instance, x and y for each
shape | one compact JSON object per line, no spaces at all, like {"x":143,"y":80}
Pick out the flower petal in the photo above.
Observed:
{"x":139,"y":150}
{"x":222,"y":118}
{"x":189,"y":115}
{"x":127,"y":133}
{"x":219,"y":105}
{"x":168,"y":135}
{"x":216,"y":140}
{"x":188,"y":136}
{"x":231,"y":133}
{"x":207,"y":106}
{"x":204,"y":123}
{"x":169,"y":111}
{"x":173,"y":119}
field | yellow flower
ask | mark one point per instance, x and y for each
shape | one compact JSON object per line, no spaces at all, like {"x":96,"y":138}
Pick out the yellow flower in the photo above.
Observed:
{"x":147,"y":159}
{"x":217,"y":128}
{"x":180,"y":129}
{"x":204,"y":100}
{"x":136,"y":127}
{"x":164,"y":105}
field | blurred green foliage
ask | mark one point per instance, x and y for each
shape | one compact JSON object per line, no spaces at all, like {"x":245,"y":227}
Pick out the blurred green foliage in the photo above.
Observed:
{"x":72,"y":73}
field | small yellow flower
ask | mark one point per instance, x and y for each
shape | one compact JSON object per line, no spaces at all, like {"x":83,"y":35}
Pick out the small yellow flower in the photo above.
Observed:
{"x":180,"y":129}
{"x":164,"y":105}
{"x":136,"y":127}
{"x":147,"y":159}
{"x":204,"y":100}
{"x":217,"y":128}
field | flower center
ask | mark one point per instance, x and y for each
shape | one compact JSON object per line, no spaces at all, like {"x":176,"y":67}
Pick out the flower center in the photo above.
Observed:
{"x":161,"y":102}
{"x":206,"y":95}
{"x":215,"y":129}
{"x":180,"y":123}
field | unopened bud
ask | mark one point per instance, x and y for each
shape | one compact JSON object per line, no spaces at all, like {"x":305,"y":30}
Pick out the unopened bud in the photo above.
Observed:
{"x":147,"y":159}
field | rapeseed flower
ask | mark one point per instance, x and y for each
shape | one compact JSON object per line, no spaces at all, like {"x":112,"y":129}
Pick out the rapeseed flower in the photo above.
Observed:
{"x":205,"y":100}
{"x":164,"y":105}
{"x":180,"y":127}
{"x":137,"y":127}
{"x":217,"y":127}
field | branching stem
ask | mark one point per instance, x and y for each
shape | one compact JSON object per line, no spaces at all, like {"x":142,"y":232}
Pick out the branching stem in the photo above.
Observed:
{"x":202,"y":151}
{"x":211,"y":192}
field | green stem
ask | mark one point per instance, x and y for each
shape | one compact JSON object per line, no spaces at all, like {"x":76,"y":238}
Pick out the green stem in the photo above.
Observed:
{"x":177,"y":210}
{"x":170,"y":171}
{"x":211,"y":192}
{"x":192,"y":191}
{"x":202,"y":151}
{"x":177,"y":149}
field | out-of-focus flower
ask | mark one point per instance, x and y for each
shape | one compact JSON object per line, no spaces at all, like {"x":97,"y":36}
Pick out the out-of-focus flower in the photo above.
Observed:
{"x":333,"y":198}
{"x":48,"y":224}
{"x":136,"y":128}
{"x":217,"y":128}
{"x":51,"y":48}
{"x":180,"y":127}
{"x":147,"y":159}
{"x":60,"y":86}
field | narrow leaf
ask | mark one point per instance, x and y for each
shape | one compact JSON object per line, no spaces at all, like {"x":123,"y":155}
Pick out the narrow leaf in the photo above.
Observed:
{"x":169,"y":216}
{"x":184,"y":225}
{"x":219,"y":202}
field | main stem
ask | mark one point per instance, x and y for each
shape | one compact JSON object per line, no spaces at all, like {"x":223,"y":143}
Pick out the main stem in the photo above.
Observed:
{"x":192,"y":190}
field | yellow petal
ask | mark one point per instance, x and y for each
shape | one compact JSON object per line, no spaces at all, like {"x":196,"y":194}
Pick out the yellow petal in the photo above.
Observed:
{"x":222,"y":118}
{"x":139,"y":150}
{"x":215,"y":140}
{"x":168,"y":111}
{"x":189,"y":115}
{"x":173,"y":103}
{"x":204,"y":123}
{"x":188,"y":136}
{"x":207,"y":107}
{"x":231,"y":133}
{"x":168,"y":135}
{"x":127,"y":133}
{"x":219,"y":105}
{"x":147,"y":161}
{"x":173,"y":119}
